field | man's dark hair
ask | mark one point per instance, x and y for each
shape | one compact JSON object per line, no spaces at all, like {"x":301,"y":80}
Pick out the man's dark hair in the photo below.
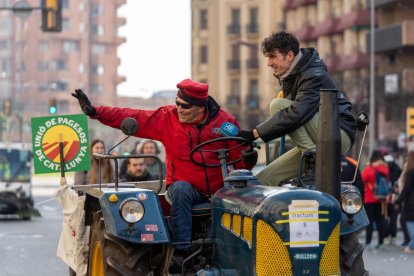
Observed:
{"x":282,"y":41}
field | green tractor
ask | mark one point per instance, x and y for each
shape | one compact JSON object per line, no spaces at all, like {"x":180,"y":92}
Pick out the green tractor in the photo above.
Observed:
{"x":306,"y":227}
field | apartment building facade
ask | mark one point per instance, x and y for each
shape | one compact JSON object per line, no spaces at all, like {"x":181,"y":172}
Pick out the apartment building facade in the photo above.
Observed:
{"x":226,"y":36}
{"x":37,"y":66}
{"x":394,"y":49}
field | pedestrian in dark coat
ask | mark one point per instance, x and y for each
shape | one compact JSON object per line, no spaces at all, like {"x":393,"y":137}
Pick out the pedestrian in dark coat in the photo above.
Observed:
{"x":406,"y":200}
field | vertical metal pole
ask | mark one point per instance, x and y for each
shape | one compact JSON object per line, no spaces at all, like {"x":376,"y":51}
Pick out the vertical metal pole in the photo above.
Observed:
{"x":328,"y":145}
{"x":372,"y":125}
{"x":61,"y":156}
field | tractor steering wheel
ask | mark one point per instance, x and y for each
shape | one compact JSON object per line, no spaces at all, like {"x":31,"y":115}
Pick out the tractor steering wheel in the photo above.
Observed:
{"x":221,"y":153}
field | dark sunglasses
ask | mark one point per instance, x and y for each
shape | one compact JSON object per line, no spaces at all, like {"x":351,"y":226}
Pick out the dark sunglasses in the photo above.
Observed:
{"x":183,"y":105}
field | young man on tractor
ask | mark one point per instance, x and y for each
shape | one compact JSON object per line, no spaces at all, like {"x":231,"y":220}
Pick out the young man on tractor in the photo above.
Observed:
{"x":194,"y":119}
{"x":301,"y":74}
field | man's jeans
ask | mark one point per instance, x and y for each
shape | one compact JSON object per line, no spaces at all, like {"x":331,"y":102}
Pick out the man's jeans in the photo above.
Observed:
{"x":183,"y":196}
{"x":286,"y":166}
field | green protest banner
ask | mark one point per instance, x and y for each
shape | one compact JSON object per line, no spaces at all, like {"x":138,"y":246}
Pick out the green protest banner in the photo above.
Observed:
{"x":71,"y":131}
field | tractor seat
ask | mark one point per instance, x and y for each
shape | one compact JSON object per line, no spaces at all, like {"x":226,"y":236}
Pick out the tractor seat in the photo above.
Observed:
{"x":200,"y":209}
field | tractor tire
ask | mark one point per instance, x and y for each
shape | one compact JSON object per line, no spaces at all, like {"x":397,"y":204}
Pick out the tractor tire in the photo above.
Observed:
{"x":351,"y":260}
{"x":111,"y":256}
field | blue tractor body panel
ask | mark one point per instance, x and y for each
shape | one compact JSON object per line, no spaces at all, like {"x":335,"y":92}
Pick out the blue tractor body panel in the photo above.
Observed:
{"x":150,"y":229}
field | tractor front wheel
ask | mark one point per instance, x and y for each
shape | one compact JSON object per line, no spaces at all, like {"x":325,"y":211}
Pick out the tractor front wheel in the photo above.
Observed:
{"x":109,"y":255}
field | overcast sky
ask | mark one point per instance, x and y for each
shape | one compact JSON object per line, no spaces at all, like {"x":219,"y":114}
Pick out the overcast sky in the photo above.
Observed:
{"x":157,"y":54}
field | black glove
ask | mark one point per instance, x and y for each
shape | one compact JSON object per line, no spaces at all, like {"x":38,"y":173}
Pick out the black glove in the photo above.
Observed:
{"x":84,"y":102}
{"x":249,"y":157}
{"x":246,"y":134}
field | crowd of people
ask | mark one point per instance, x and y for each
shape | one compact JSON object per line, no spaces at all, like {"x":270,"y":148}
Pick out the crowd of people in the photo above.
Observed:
{"x":383,"y":211}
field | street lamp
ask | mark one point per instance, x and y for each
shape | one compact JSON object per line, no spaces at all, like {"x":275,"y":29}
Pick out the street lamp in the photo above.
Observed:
{"x":372,"y":123}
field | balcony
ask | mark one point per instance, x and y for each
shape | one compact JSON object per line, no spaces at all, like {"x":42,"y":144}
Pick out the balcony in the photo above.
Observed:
{"x":389,"y":3}
{"x":233,"y":29}
{"x":393,"y":37}
{"x":355,"y":18}
{"x":252,"y":64}
{"x":233,"y":64}
{"x":252,"y":102}
{"x":120,"y":21}
{"x":293,"y":4}
{"x":305,"y":33}
{"x":233,"y":101}
{"x":332,"y":62}
{"x":356,"y":60}
{"x":329,"y":26}
{"x":252,"y":29}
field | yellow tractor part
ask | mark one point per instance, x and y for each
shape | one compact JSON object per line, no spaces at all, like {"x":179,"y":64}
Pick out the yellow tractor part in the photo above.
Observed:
{"x":96,"y":263}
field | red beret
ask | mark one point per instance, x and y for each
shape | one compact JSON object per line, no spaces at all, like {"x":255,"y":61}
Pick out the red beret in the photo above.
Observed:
{"x":193,"y":92}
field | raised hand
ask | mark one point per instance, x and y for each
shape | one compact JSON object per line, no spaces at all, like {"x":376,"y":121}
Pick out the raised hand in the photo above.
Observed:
{"x":84,"y":102}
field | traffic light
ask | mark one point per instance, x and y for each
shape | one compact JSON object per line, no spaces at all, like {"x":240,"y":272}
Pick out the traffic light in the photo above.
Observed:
{"x":52,"y":106}
{"x":410,"y":121}
{"x":7,"y":107}
{"x":51,"y":15}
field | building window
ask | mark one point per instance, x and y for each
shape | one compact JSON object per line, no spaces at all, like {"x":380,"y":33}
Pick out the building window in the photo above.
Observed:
{"x":253,"y":94}
{"x":253,"y":87}
{"x":203,"y":54}
{"x":4,"y":68}
{"x":70,"y":46}
{"x":97,"y":30}
{"x":98,"y":49}
{"x":235,"y":16}
{"x":59,"y":86}
{"x":65,"y":24}
{"x":65,"y":4}
{"x":253,"y":26}
{"x":43,"y":86}
{"x":63,"y":106}
{"x":96,"y":88}
{"x":235,"y":87}
{"x":4,"y":45}
{"x":42,"y":65}
{"x":203,"y":19}
{"x":59,"y":65}
{"x":234,"y":27}
{"x":97,"y":69}
{"x":97,"y":10}
{"x":43,"y":45}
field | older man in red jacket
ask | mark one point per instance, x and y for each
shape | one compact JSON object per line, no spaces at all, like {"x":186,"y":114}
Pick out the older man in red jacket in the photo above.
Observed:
{"x":194,"y":119}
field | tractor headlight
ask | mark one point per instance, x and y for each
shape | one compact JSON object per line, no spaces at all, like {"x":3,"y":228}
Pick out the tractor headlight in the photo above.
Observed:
{"x":131,"y":210}
{"x":351,"y":202}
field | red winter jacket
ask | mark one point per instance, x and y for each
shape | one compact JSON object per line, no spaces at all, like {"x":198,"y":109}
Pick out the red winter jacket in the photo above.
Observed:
{"x":368,"y":176}
{"x":179,"y":139}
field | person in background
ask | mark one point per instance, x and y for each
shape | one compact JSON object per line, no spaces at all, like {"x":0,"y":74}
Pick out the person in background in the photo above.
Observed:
{"x":137,"y":171}
{"x":395,"y":172}
{"x":151,"y":147}
{"x":192,"y":120}
{"x":95,"y":175}
{"x":405,"y":200}
{"x":375,"y":208}
{"x":302,"y":74}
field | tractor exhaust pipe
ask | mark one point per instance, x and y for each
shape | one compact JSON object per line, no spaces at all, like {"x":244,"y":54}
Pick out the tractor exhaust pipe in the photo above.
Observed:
{"x":328,"y":146}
